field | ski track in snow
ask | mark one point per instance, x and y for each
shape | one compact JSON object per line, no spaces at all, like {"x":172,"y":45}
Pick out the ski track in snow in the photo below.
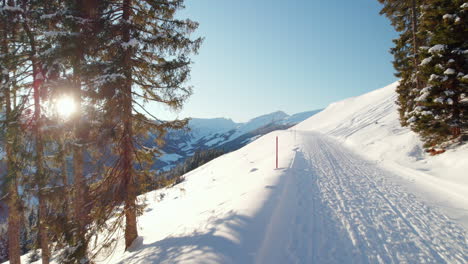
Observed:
{"x":329,"y":205}
{"x":339,"y":208}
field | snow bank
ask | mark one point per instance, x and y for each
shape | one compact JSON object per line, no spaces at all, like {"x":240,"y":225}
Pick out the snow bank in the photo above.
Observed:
{"x":369,"y":124}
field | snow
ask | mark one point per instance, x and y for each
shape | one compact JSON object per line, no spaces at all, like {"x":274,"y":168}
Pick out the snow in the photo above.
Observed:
{"x":439,"y":100}
{"x":426,"y":61}
{"x":449,"y":93}
{"x":11,"y":8}
{"x":261,"y":121}
{"x":412,"y":119}
{"x":107,"y":78}
{"x":214,"y":141}
{"x":48,"y":16}
{"x":353,"y":187}
{"x":433,"y":77}
{"x":213,"y":132}
{"x":448,"y":16}
{"x":369,"y":124}
{"x":426,"y":113}
{"x":299,"y":117}
{"x":170,"y":157}
{"x":204,"y":126}
{"x":449,"y":71}
{"x":437,"y":48}
{"x":425,"y":92}
{"x":248,"y":140}
{"x":131,"y":43}
{"x":58,"y":33}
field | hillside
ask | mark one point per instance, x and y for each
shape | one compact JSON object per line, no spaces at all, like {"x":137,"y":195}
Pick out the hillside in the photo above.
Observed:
{"x":369,"y":125}
{"x":222,"y":133}
{"x":352,"y":187}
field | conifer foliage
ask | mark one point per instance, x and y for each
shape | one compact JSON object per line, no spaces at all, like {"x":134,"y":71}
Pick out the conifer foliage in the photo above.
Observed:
{"x":431,"y":58}
{"x":112,"y":58}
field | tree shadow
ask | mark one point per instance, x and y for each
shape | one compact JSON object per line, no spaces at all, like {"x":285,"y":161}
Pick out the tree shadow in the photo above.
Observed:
{"x":207,"y":247}
{"x":230,"y":238}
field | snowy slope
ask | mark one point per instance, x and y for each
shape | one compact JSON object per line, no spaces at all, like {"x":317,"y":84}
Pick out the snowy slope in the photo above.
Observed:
{"x":325,"y":204}
{"x":222,"y":133}
{"x":205,"y":126}
{"x":299,"y":117}
{"x":328,"y":202}
{"x":369,"y":125}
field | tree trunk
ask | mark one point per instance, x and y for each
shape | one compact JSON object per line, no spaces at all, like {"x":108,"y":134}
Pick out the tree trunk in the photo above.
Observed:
{"x":40,"y":175}
{"x":14,"y":212}
{"x":414,"y":29}
{"x":131,"y":232}
{"x":78,"y":153}
{"x":13,"y":202}
{"x":64,"y":170}
{"x":79,"y":179}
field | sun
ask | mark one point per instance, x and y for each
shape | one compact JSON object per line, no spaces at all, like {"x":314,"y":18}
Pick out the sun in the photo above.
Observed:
{"x":65,"y":106}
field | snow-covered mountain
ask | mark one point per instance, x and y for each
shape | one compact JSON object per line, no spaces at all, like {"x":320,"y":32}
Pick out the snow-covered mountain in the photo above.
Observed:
{"x":222,"y":133}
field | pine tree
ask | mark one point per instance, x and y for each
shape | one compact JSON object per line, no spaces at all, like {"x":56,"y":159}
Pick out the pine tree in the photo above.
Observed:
{"x":71,"y":34}
{"x":404,"y":16}
{"x":37,"y":79}
{"x":146,"y":59}
{"x":113,"y":57}
{"x":441,"y":109}
{"x":11,"y":123}
{"x":430,"y":59}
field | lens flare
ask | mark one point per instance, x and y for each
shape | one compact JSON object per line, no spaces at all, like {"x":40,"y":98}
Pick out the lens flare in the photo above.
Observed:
{"x":65,"y":106}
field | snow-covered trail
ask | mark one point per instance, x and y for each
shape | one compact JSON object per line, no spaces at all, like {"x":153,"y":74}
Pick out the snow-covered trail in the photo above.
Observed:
{"x":336,"y":207}
{"x":326,"y":204}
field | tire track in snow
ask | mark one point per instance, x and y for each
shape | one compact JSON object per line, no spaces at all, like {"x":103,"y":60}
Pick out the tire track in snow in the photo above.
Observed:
{"x":302,"y":228}
{"x":385,"y":224}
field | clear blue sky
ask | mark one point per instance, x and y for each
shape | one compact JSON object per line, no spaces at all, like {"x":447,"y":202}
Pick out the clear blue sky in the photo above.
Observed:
{"x":261,"y":56}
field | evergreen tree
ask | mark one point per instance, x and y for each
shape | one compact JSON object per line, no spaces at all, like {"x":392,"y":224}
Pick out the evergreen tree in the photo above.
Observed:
{"x":404,"y":16}
{"x":12,"y":109}
{"x":442,"y":109}
{"x":72,"y":26}
{"x":146,"y":59}
{"x":430,"y":58}
{"x":113,"y":57}
{"x":41,"y":177}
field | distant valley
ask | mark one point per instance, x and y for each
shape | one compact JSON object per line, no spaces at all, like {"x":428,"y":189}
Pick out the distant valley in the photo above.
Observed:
{"x":222,"y":133}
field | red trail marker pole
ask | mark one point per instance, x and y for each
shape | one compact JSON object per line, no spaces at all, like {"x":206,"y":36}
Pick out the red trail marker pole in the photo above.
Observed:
{"x":277,"y":152}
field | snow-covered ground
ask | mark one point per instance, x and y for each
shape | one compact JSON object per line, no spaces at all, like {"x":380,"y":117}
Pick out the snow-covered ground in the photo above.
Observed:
{"x":369,"y":125}
{"x":352,"y":187}
{"x":221,"y":133}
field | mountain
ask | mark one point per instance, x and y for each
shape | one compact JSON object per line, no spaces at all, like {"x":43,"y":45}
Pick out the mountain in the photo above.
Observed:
{"x":222,"y":133}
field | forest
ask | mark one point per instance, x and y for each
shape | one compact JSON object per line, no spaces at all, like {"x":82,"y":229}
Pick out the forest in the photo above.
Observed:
{"x":75,"y":77}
